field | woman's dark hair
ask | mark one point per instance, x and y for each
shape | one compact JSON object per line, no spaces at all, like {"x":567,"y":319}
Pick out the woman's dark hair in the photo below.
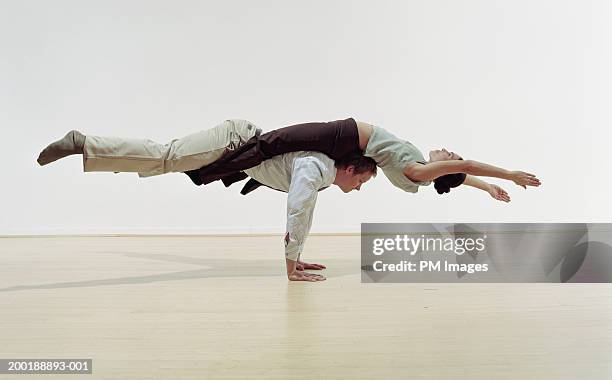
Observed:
{"x":444,"y":183}
{"x":448,"y":181}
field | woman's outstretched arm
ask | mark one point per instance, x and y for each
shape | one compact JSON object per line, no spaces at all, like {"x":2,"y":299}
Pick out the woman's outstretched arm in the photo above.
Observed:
{"x":495,"y":191}
{"x":433,"y":170}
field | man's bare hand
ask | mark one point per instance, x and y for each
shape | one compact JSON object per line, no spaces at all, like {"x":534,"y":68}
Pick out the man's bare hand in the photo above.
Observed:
{"x":295,"y":273}
{"x":299,"y":275}
{"x":302,"y":266}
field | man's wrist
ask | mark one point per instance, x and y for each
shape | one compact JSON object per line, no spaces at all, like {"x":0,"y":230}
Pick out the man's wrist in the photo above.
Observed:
{"x":291,"y":266}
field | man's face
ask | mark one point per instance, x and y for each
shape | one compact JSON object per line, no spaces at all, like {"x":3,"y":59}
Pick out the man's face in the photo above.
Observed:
{"x":348,"y":181}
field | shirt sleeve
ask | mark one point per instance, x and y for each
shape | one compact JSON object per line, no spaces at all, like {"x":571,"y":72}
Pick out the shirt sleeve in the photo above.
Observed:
{"x":306,"y":180}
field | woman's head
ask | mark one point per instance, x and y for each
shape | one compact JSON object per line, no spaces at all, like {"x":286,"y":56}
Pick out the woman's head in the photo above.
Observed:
{"x":443,"y":155}
{"x":444,"y":183}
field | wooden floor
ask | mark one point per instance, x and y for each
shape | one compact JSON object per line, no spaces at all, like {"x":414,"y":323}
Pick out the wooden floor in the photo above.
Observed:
{"x":221,"y":307}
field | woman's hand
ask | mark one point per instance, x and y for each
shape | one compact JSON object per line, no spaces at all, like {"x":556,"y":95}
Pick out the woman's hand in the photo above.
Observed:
{"x":524,"y":179}
{"x":498,"y":193}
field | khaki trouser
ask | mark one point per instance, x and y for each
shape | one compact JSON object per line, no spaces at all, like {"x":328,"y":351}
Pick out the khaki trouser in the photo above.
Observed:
{"x":148,"y":158}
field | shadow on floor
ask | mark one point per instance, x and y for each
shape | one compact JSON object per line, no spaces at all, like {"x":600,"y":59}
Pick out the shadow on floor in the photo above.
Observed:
{"x":215,"y":268}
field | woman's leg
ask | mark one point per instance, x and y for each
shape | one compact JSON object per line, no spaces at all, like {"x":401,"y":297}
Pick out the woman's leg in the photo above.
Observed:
{"x":336,"y":139}
{"x":148,"y":158}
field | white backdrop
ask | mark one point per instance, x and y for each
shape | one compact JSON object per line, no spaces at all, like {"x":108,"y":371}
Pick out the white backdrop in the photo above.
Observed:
{"x":520,"y":84}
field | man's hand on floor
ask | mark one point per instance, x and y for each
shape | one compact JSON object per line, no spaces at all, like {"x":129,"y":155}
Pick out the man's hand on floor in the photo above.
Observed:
{"x":299,"y":275}
{"x":303,"y":266}
{"x":295,"y":271}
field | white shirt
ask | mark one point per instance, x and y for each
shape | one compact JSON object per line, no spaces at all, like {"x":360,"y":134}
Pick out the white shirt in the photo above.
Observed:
{"x":301,"y":175}
{"x":392,"y":155}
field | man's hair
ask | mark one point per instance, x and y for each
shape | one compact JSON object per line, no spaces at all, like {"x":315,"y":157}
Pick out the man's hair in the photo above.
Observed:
{"x":361,"y":163}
